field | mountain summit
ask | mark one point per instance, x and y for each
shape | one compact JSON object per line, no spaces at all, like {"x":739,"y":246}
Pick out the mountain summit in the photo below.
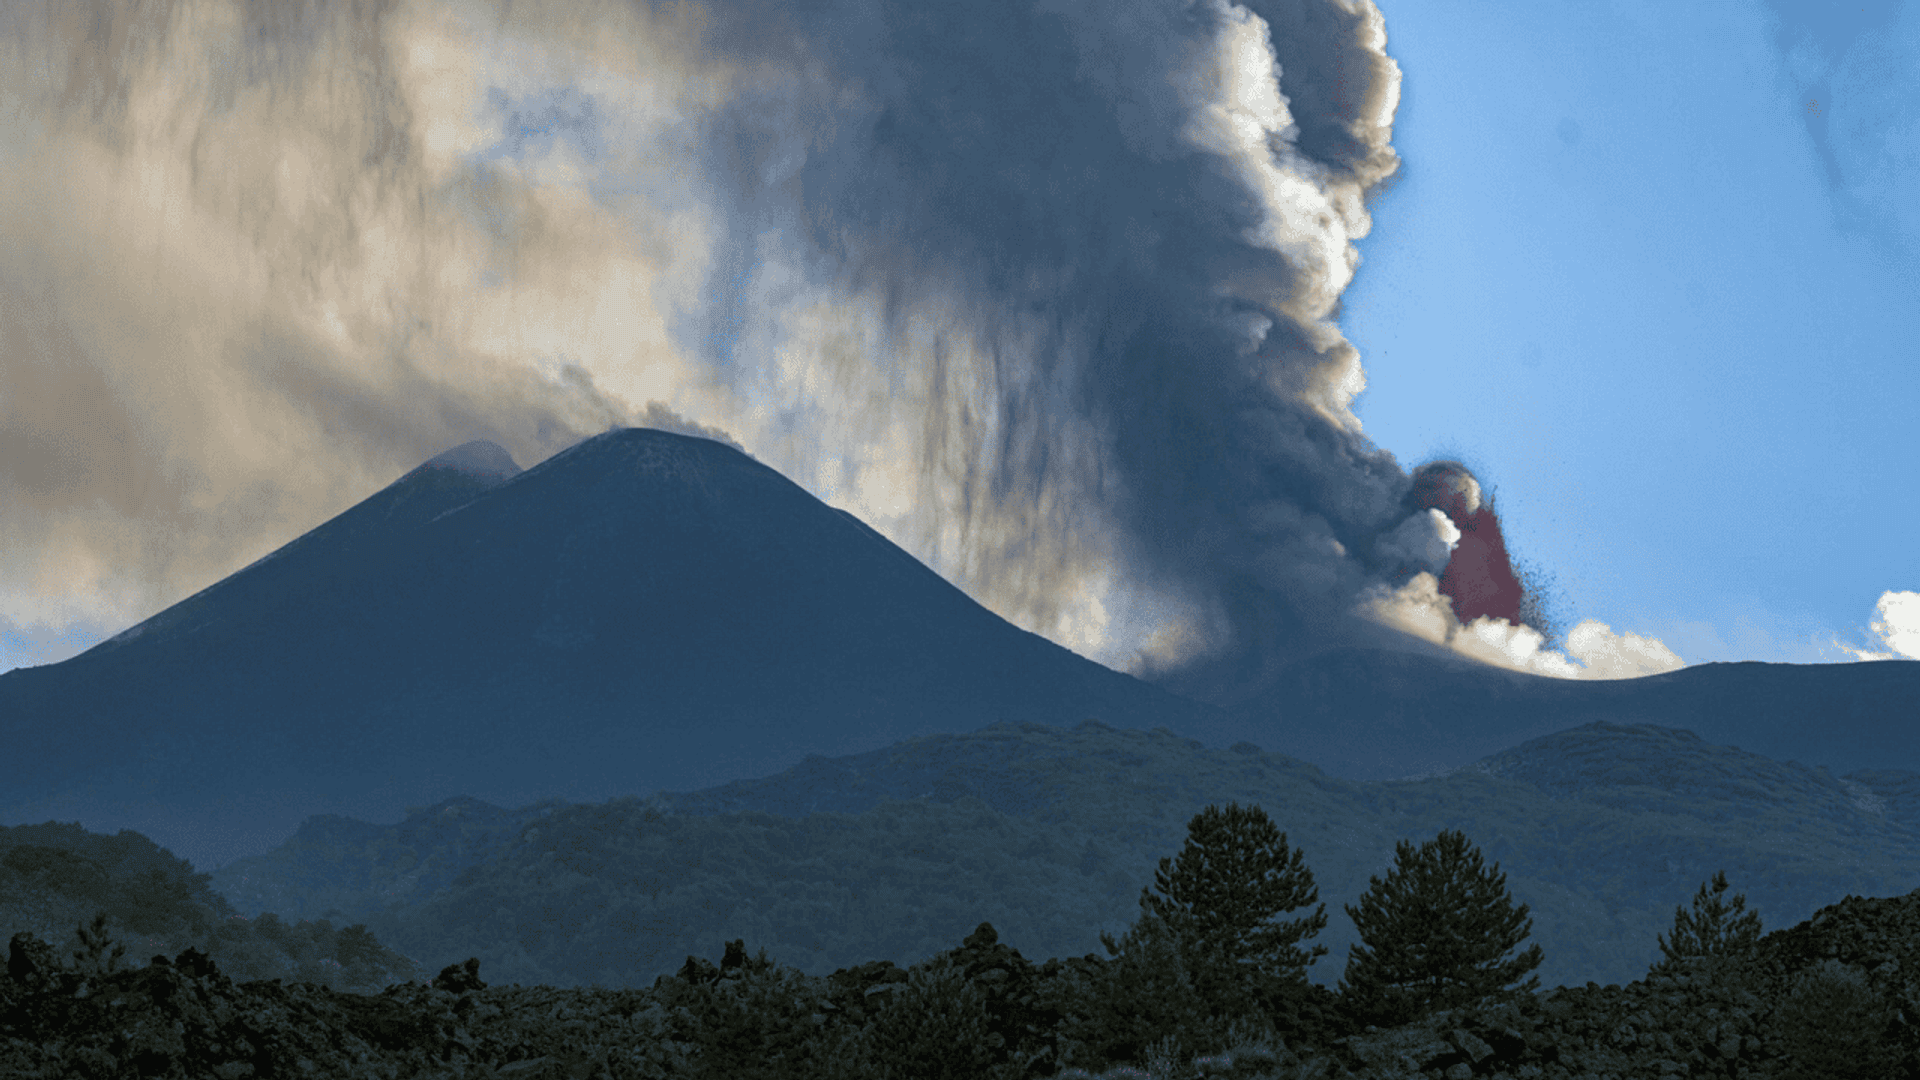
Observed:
{"x":480,"y":459}
{"x":644,"y":611}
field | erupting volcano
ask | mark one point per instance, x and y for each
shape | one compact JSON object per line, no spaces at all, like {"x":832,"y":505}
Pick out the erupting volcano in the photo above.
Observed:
{"x":1479,"y":579}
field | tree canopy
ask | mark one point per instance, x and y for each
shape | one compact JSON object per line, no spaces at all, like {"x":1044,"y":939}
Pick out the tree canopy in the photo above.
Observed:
{"x":1433,"y":936}
{"x":1714,"y":928}
{"x":1220,"y":898}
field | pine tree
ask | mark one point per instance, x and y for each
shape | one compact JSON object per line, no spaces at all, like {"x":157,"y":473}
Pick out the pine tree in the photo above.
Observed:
{"x":1219,"y":898}
{"x":1433,"y":936}
{"x":94,"y":956}
{"x":1714,"y":928}
{"x":1147,"y":994}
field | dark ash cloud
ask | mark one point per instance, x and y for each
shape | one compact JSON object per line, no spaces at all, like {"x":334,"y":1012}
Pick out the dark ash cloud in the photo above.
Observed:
{"x":1047,"y":292}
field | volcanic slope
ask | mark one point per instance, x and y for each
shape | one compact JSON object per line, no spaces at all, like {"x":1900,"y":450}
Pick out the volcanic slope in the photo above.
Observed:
{"x":1382,"y":714}
{"x":644,"y":611}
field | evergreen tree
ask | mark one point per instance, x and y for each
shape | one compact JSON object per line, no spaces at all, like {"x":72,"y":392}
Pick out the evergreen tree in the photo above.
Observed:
{"x":1433,"y":935}
{"x":1219,"y":899}
{"x":1147,"y":994}
{"x":94,"y":955}
{"x":1714,"y":928}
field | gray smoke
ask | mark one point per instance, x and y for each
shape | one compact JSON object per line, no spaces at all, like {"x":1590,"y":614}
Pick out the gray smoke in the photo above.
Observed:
{"x":1047,"y":291}
{"x":1139,"y":219}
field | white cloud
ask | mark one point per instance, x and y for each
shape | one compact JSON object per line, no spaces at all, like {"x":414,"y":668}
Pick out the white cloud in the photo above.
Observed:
{"x":1897,"y":627}
{"x":1607,"y":655}
{"x":1594,"y":651}
{"x":1425,"y":539}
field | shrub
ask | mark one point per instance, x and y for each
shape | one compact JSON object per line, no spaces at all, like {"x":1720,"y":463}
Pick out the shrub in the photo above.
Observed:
{"x":1833,"y":1025}
{"x":935,"y":1027}
{"x":752,"y":1020}
{"x":98,"y":953}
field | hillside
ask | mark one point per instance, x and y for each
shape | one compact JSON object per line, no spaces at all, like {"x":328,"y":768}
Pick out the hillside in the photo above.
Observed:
{"x":1051,"y":834}
{"x":1381,"y":714}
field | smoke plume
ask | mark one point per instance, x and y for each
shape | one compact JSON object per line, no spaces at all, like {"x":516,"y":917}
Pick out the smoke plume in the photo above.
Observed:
{"x":1046,"y":291}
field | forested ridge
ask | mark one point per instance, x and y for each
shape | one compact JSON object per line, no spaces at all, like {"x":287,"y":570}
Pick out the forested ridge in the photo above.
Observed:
{"x":1057,"y":840}
{"x":1050,"y":835}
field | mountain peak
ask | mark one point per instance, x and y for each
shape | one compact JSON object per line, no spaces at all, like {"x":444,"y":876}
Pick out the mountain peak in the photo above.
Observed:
{"x":650,"y":455}
{"x":481,"y":459}
{"x":644,"y":611}
{"x":648,"y":440}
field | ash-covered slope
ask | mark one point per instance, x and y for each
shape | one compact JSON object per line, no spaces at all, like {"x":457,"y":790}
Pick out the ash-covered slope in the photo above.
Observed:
{"x":644,"y":611}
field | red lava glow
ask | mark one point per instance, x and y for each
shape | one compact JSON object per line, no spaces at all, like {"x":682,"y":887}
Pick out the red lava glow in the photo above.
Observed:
{"x":1479,"y":579}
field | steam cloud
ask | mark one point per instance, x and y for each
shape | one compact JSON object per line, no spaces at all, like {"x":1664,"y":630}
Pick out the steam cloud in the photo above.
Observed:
{"x":1897,"y":625}
{"x":1047,"y":291}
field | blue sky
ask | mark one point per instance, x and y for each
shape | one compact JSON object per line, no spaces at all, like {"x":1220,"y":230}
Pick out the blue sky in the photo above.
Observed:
{"x":1653,"y":276}
{"x":1649,"y":270}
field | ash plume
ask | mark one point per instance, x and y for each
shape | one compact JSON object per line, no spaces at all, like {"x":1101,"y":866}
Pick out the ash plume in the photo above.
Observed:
{"x":1048,"y":292}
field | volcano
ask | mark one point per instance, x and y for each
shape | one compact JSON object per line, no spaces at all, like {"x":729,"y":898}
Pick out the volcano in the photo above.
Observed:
{"x":645,"y":611}
{"x":652,"y":612}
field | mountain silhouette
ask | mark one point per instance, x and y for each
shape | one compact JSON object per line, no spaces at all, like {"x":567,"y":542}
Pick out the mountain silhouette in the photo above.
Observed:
{"x":1384,"y":714}
{"x":652,"y":612}
{"x":645,"y":611}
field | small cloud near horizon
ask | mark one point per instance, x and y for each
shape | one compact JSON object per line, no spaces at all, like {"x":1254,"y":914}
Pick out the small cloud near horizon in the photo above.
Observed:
{"x":1897,"y":625}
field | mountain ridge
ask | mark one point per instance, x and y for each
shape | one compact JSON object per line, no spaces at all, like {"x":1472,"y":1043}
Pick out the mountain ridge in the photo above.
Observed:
{"x":1604,"y":829}
{"x":438,"y":486}
{"x":644,"y":610}
{"x":1445,"y":715}
{"x":648,"y":611}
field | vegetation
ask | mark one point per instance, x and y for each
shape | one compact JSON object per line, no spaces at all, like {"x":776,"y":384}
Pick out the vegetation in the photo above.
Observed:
{"x":1148,"y":996}
{"x":57,"y":879}
{"x":1713,"y":929}
{"x":1051,"y":835}
{"x":937,"y":1028}
{"x":1234,"y":875}
{"x":1182,"y":988}
{"x":1433,"y":934}
{"x":1834,"y":1027}
{"x":616,"y":893}
{"x":98,"y":952}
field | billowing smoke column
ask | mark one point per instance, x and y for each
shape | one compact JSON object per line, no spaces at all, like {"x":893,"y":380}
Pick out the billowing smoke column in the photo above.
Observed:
{"x":1139,"y":218}
{"x":1047,"y":290}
